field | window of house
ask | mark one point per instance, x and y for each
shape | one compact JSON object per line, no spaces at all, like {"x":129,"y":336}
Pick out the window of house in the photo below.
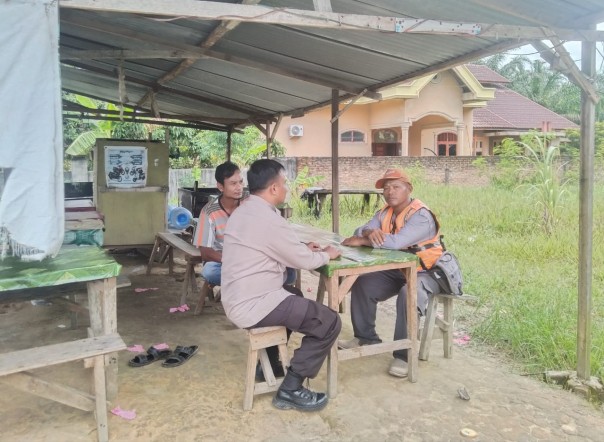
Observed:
{"x":447,"y":144}
{"x":352,"y":136}
{"x":385,"y":136}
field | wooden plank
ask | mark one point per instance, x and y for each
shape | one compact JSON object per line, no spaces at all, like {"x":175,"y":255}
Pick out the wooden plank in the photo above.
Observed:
{"x":60,"y":393}
{"x":101,"y":399}
{"x":375,"y":349}
{"x":180,"y":244}
{"x":48,"y":355}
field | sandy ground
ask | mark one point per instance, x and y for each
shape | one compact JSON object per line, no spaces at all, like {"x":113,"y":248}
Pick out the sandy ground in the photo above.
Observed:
{"x":202,"y":399}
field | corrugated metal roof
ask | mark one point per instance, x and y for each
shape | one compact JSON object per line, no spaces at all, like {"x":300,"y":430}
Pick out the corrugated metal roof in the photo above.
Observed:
{"x":257,"y":71}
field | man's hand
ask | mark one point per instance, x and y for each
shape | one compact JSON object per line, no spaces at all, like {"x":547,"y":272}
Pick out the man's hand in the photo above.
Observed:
{"x":375,"y":236}
{"x":353,"y":241}
{"x":333,"y":252}
{"x":313,"y":246}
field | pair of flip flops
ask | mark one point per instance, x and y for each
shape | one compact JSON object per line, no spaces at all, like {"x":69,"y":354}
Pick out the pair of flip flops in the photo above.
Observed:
{"x":179,"y":356}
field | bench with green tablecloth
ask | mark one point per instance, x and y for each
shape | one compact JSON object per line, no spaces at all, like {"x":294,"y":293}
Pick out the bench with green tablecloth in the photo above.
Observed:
{"x":74,"y":268}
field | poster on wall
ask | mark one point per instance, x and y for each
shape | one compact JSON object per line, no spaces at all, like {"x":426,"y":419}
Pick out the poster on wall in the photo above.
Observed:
{"x":126,"y":166}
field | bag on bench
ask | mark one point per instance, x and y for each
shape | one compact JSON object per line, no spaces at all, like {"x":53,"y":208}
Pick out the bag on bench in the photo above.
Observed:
{"x":447,"y":273}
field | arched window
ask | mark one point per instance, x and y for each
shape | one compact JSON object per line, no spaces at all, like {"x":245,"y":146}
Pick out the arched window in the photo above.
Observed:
{"x":385,"y":136}
{"x":352,"y":136}
{"x":447,"y":144}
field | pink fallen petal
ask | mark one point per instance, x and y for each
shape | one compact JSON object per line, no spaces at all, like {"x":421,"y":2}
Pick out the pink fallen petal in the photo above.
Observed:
{"x":140,"y":290}
{"x":162,"y":346}
{"x":136,"y":348}
{"x":309,"y":289}
{"x":126,"y":414}
{"x":185,"y":307}
{"x":173,"y":309}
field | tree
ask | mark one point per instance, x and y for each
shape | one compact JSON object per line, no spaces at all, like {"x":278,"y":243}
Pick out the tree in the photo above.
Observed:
{"x":551,"y":89}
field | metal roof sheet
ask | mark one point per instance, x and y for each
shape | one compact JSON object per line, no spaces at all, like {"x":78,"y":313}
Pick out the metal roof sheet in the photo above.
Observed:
{"x":257,"y":71}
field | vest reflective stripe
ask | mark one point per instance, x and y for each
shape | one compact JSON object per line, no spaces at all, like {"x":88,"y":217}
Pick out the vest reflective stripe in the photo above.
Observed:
{"x":428,"y":256}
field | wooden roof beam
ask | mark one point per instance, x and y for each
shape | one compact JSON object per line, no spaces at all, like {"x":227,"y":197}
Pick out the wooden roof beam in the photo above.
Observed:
{"x":563,"y":63}
{"x":251,"y":111}
{"x":219,"y":31}
{"x":207,"y":10}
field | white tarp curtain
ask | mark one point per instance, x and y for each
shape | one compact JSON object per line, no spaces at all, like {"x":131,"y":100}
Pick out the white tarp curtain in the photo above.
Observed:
{"x":31,"y":151}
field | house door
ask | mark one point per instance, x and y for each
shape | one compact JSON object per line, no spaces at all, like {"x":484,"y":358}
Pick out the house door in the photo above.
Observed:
{"x":386,"y":149}
{"x":447,"y":144}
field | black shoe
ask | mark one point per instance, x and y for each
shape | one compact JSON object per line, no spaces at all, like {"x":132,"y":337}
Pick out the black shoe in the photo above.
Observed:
{"x":277,"y":371}
{"x":300,"y":399}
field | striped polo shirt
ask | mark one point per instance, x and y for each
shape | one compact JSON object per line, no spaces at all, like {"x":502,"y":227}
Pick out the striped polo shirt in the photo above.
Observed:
{"x":211,"y":225}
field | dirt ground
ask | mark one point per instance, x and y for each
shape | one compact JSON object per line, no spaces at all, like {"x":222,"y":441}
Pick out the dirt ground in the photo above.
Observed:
{"x":202,"y":399}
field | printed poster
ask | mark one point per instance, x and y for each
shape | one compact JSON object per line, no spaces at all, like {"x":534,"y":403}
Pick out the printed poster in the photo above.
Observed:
{"x":126,"y":166}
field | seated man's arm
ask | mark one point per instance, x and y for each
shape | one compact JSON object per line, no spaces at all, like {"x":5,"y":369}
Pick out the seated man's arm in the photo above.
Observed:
{"x":363,"y":235}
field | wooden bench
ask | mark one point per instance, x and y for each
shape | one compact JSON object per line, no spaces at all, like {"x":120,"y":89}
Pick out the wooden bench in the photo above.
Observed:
{"x":444,"y":325}
{"x":15,"y":366}
{"x":165,"y":243}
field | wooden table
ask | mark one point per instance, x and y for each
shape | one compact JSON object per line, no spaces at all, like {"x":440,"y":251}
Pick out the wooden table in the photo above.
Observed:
{"x":74,"y":268}
{"x":316,"y":198}
{"x":338,"y":276}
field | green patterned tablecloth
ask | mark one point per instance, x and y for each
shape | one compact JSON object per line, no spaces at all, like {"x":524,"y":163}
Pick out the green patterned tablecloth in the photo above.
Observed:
{"x":364,"y":257}
{"x":351,"y":256}
{"x":72,"y":264}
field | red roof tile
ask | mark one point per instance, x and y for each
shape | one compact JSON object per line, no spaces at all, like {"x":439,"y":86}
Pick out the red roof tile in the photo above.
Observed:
{"x":510,"y":110}
{"x":486,"y":75}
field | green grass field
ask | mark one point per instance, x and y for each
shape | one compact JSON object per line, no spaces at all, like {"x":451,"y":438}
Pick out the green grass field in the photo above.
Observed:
{"x":526,"y":281}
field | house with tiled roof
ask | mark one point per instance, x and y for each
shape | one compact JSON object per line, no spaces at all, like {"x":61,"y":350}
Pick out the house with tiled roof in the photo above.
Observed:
{"x":510,"y":114}
{"x":463,"y":111}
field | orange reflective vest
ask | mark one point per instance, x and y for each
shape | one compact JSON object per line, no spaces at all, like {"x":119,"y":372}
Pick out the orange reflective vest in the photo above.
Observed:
{"x":428,"y":251}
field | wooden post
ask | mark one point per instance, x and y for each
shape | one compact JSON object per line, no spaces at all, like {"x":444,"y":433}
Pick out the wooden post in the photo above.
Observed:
{"x":268,"y":139}
{"x":335,"y":170}
{"x":229,"y":141}
{"x":586,"y":180}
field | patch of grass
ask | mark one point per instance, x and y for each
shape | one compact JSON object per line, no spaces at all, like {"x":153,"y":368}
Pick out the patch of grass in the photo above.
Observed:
{"x":525,"y":279}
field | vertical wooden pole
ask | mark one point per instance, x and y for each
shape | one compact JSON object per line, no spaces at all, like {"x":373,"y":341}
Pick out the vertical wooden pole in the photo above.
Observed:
{"x":335,"y":170}
{"x":268,"y":139}
{"x":586,"y":181}
{"x":229,"y":143}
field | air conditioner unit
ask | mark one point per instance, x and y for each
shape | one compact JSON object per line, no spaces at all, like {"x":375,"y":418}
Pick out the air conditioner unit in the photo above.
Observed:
{"x":296,"y":130}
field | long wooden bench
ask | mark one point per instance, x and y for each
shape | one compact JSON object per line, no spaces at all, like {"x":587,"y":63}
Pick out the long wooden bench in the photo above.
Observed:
{"x":165,"y":243}
{"x":15,"y":366}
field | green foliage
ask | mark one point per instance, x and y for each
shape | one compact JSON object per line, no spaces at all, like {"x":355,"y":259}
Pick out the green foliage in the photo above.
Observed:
{"x":546,"y":187}
{"x":525,"y":280}
{"x":551,"y":89}
{"x":303,"y":181}
{"x":508,"y":171}
{"x":246,"y":147}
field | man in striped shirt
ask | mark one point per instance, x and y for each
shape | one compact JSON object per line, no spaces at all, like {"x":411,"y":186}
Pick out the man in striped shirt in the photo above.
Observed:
{"x":209,"y":234}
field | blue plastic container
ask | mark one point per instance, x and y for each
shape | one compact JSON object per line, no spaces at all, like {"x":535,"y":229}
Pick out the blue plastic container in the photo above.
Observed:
{"x":178,"y":218}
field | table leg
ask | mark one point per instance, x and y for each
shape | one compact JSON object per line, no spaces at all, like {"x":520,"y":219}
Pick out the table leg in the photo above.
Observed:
{"x":102,"y":300}
{"x":412,"y":354}
{"x":331,"y":284}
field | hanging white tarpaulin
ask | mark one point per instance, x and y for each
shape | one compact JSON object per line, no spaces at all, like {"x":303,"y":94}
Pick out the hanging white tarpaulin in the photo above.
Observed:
{"x":31,"y":147}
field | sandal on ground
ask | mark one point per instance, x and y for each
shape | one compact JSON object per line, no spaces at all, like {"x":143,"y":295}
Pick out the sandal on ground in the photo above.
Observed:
{"x":152,"y":355}
{"x":179,"y":356}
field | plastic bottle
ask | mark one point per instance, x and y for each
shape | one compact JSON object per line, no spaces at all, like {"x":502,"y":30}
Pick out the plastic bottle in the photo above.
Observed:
{"x":178,"y":218}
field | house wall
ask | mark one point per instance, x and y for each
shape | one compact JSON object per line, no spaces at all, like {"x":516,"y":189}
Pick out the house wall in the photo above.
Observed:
{"x":454,"y":170}
{"x":438,"y":109}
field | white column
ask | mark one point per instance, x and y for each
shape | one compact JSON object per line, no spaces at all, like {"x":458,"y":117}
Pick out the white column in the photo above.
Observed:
{"x":405,"y":139}
{"x":462,"y":149}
